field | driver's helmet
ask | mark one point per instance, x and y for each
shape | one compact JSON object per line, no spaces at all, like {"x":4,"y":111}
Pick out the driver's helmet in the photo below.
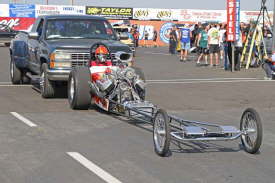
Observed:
{"x":101,"y":53}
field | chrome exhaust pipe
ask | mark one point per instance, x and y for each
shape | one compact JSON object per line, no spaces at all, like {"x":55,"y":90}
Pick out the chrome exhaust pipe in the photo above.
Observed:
{"x":123,"y":56}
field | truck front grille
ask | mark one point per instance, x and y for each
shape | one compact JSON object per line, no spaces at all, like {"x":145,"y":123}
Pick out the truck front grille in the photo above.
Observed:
{"x":80,"y":59}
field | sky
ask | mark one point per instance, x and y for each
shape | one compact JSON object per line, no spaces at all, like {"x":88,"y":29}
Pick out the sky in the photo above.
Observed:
{"x":177,"y":4}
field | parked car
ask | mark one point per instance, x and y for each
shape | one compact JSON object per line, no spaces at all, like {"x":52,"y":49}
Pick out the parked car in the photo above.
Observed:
{"x":55,"y":45}
{"x":123,"y":31}
{"x":6,"y":34}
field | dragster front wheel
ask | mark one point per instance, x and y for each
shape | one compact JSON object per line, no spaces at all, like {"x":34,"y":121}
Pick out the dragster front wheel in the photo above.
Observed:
{"x":161,"y":133}
{"x":251,"y":126}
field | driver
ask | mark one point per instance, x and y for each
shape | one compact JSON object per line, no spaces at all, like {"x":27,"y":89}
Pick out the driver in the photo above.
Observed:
{"x":101,"y":57}
{"x":100,"y":67}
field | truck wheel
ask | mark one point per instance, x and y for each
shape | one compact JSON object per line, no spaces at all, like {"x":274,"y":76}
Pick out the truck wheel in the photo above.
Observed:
{"x":79,"y":95}
{"x":161,"y":133}
{"x":251,"y":125}
{"x":15,"y":73}
{"x":46,"y":86}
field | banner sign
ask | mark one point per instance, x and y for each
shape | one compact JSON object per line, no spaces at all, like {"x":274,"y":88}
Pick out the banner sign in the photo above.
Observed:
{"x":18,"y":23}
{"x":192,"y":15}
{"x":4,"y":10}
{"x":164,"y":32}
{"x":56,"y":10}
{"x":155,"y":14}
{"x":109,"y":12}
{"x":22,"y":10}
{"x":238,"y":14}
{"x":231,"y":20}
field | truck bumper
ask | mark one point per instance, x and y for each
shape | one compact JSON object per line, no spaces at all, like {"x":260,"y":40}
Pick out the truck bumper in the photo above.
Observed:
{"x":58,"y":75}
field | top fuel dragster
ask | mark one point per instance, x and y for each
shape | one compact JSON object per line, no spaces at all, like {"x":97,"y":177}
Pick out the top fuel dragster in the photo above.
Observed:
{"x":118,"y":88}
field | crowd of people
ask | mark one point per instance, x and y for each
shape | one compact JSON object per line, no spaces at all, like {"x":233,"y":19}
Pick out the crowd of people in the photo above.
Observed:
{"x":209,"y":41}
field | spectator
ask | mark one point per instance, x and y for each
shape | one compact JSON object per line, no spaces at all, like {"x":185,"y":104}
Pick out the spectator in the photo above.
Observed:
{"x":202,"y":45}
{"x":155,"y":37}
{"x":225,"y":52}
{"x":221,"y":40}
{"x":269,"y":58}
{"x":173,"y":41}
{"x":237,"y":53}
{"x":136,"y":37}
{"x":185,"y":36}
{"x":146,"y":35}
{"x":213,"y":42}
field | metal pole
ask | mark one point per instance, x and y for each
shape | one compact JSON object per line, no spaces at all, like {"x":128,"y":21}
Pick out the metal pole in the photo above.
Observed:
{"x":233,"y":57}
{"x":47,"y":2}
{"x":72,"y":2}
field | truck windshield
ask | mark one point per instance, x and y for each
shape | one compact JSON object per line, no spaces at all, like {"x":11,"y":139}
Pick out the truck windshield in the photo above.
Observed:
{"x":79,"y":29}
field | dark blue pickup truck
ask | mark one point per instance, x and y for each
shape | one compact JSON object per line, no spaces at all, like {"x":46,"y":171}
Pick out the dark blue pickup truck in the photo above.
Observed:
{"x":56,"y":44}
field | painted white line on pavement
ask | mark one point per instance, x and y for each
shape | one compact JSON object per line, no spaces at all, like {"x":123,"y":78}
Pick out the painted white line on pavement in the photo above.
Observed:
{"x":168,"y":54}
{"x":13,"y":85}
{"x":23,"y":119}
{"x":157,"y":53}
{"x":205,"y":79}
{"x":199,"y":82}
{"x":93,"y":167}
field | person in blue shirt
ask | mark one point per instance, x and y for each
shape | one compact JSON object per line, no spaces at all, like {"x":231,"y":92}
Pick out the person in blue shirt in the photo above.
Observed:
{"x":185,"y":39}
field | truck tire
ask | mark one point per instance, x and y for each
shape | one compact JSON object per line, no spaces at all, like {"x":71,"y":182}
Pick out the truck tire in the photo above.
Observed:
{"x":46,"y":86}
{"x":79,"y":95}
{"x":15,"y":73}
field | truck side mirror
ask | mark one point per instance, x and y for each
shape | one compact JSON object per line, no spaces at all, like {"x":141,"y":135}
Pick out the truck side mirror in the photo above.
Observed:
{"x":33,"y":35}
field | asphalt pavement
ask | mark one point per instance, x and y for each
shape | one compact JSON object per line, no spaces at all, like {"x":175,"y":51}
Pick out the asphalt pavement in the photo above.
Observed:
{"x":44,"y":141}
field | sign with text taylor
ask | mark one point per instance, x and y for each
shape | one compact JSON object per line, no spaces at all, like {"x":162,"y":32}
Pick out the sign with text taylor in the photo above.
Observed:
{"x":110,"y":12}
{"x":231,"y":20}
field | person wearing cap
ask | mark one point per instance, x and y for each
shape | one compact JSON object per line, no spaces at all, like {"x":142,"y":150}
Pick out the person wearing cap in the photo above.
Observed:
{"x":185,"y":39}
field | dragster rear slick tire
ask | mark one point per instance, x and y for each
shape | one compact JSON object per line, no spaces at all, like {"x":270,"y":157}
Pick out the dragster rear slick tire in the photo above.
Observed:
{"x":79,"y":95}
{"x":161,"y":133}
{"x":251,"y":121}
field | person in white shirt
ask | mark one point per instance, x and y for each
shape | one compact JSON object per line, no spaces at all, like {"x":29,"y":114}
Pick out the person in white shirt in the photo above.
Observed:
{"x":213,"y":44}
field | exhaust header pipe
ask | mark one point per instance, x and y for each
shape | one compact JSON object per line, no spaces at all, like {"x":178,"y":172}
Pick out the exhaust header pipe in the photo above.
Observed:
{"x":124,"y":57}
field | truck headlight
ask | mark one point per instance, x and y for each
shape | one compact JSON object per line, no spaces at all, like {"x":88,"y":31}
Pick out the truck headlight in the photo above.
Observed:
{"x":61,"y":56}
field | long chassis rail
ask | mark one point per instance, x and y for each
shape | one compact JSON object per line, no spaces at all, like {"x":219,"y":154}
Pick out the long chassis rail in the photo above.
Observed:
{"x":198,"y":129}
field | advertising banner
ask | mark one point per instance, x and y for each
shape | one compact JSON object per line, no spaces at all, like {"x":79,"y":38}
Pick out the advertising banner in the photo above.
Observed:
{"x":22,"y":10}
{"x":192,"y":15}
{"x":155,"y":14}
{"x":17,"y":23}
{"x":238,"y":14}
{"x":110,"y":12}
{"x":231,"y":20}
{"x":4,"y":10}
{"x":162,"y":28}
{"x":56,"y":10}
